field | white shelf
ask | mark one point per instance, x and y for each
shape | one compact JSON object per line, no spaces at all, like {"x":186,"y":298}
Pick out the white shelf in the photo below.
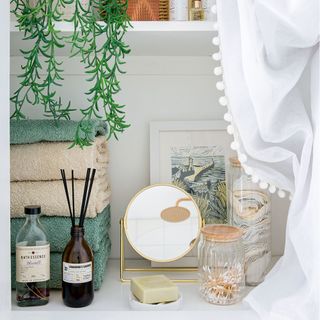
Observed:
{"x":182,"y":26}
{"x":149,"y":38}
{"x":113,"y":296}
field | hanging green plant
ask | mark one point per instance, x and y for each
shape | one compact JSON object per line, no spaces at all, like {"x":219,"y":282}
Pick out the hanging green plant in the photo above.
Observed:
{"x":100,"y":46}
{"x":37,"y":21}
{"x":103,"y":60}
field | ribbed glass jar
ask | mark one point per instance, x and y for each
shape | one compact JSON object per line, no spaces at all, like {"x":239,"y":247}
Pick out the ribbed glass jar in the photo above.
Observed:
{"x":249,"y":207}
{"x":221,"y":264}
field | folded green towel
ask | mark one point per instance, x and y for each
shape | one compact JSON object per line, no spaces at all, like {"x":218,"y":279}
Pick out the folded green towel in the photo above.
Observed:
{"x":58,"y":230}
{"x":100,"y":261}
{"x":33,"y":131}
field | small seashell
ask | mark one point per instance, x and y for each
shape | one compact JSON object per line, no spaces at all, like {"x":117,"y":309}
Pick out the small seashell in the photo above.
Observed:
{"x":249,"y":205}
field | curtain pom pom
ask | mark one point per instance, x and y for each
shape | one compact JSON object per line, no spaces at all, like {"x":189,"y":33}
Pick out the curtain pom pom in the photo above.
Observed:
{"x":235,"y":145}
{"x":216,"y":41}
{"x":248,"y":170}
{"x":272,"y":189}
{"x":242,"y":157}
{"x":255,"y":179}
{"x":216,"y":56}
{"x":220,"y":85}
{"x":217,"y":71}
{"x":263,"y":185}
{"x":230,"y":129}
{"x":223,"y":101}
{"x":227,"y":117}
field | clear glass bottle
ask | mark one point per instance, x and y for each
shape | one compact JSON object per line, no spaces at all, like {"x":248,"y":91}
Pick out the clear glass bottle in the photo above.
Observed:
{"x":207,"y":5}
{"x":178,"y":10}
{"x":249,"y":207}
{"x":32,"y":261}
{"x":221,"y":264}
{"x":196,"y":12}
{"x":77,"y":271}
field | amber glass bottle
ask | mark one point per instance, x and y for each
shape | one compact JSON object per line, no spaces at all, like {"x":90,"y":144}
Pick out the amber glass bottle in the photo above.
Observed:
{"x":77,"y":271}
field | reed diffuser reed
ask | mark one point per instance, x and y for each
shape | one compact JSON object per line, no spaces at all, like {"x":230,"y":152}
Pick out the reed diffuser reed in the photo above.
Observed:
{"x":77,"y":259}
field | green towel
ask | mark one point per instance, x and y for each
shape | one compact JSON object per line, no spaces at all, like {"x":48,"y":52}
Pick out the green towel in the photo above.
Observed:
{"x":100,"y":261}
{"x":58,"y":230}
{"x":33,"y":131}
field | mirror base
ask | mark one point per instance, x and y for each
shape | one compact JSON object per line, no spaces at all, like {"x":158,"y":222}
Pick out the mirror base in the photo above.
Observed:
{"x":124,"y":270}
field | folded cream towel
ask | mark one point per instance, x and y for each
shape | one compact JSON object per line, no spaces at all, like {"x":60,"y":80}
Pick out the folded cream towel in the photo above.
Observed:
{"x":51,"y":196}
{"x":43,"y":160}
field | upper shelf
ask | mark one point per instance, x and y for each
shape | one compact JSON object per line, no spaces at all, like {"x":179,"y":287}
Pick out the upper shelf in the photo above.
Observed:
{"x":150,"y":38}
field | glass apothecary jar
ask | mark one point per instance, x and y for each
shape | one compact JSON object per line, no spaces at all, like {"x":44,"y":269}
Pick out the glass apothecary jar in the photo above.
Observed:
{"x":221,"y":264}
{"x":249,"y":207}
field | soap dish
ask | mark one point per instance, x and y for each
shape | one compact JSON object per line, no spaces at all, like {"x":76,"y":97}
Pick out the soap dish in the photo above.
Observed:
{"x":135,"y":304}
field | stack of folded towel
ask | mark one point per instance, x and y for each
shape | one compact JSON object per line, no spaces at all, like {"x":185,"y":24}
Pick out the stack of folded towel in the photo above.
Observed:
{"x":39,"y":149}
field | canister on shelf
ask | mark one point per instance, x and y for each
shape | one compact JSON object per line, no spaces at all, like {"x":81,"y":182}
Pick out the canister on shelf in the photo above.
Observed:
{"x":249,"y":207}
{"x":221,"y":264}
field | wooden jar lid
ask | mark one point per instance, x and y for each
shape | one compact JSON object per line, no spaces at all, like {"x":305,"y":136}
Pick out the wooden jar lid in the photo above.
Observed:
{"x":221,"y":232}
{"x":235,"y":162}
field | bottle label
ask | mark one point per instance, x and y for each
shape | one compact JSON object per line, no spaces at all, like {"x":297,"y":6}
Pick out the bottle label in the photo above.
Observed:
{"x":77,"y":272}
{"x":32,"y":263}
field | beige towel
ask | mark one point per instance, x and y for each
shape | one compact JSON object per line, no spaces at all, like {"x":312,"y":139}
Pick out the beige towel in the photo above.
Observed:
{"x":43,"y":161}
{"x":51,"y":196}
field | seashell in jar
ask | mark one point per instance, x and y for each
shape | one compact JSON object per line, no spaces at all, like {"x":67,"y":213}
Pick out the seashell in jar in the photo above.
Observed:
{"x":250,"y":205}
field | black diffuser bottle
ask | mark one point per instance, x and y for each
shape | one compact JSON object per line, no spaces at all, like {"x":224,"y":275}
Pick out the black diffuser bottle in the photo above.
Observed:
{"x":77,"y":259}
{"x":77,"y":271}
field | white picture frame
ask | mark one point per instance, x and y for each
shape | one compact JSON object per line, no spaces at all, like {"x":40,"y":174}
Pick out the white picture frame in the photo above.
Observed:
{"x":167,"y":137}
{"x":159,"y":127}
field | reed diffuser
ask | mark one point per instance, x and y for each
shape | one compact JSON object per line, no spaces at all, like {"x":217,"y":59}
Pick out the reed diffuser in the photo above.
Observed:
{"x":77,"y":259}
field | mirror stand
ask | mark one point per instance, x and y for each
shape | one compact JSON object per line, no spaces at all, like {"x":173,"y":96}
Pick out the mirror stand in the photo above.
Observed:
{"x":175,"y":270}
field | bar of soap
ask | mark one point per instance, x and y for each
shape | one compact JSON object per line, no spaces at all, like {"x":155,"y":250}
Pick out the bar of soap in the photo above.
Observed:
{"x":154,"y":289}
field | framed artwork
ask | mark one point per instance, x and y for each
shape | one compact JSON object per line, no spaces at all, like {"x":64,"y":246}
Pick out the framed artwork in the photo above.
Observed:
{"x":193,"y":156}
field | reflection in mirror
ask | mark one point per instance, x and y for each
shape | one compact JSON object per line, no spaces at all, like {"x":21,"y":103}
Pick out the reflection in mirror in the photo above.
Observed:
{"x":162,"y":223}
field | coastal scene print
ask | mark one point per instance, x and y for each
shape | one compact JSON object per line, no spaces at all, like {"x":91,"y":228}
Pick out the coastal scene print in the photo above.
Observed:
{"x":200,"y":170}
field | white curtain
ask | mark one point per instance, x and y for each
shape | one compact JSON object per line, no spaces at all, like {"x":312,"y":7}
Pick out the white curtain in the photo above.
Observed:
{"x":270,"y":63}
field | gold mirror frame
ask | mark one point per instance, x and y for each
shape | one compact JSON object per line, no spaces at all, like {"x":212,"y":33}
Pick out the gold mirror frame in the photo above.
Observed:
{"x":186,"y":197}
{"x":123,"y":234}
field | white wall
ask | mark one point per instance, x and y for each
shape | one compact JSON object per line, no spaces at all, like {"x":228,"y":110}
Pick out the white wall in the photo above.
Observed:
{"x":154,"y":88}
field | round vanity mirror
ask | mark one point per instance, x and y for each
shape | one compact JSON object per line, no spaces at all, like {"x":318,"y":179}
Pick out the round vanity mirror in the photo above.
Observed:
{"x":162,"y":223}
